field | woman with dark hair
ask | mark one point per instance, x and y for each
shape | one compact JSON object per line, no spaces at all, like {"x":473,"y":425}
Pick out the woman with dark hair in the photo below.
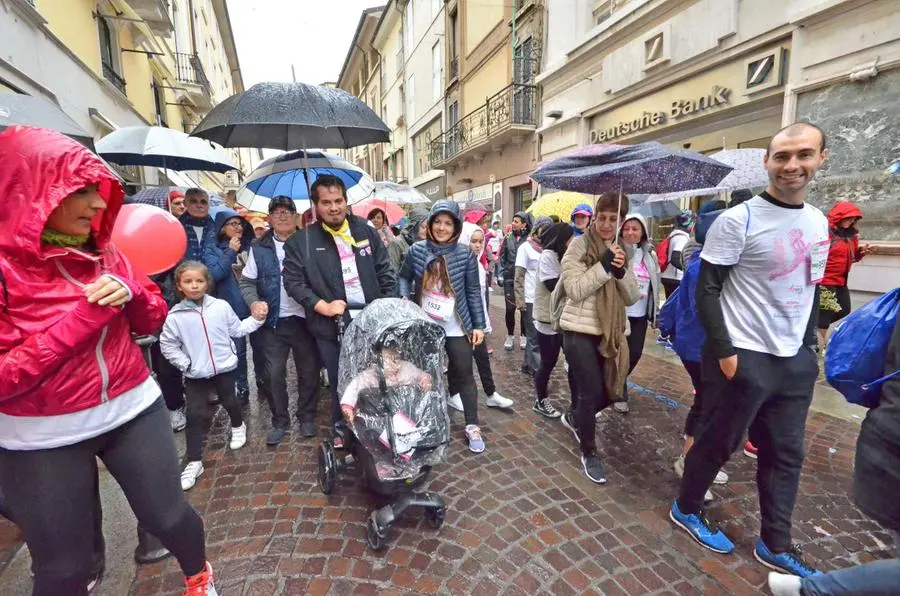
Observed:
{"x":598,"y":286}
{"x":556,"y":240}
{"x":442,"y":277}
{"x":74,"y":385}
{"x":378,"y":218}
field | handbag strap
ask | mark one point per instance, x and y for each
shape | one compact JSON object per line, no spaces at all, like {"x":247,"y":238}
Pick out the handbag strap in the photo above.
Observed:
{"x":882,"y":380}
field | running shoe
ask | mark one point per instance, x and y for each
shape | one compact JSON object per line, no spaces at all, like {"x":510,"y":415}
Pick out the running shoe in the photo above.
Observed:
{"x":473,"y":436}
{"x":200,"y":584}
{"x":495,"y":400}
{"x":177,"y":419}
{"x":790,"y":561}
{"x":721,"y":477}
{"x":545,"y":409}
{"x":621,"y":407}
{"x":238,"y":436}
{"x":192,"y":471}
{"x":750,"y":450}
{"x":509,"y":343}
{"x":781,"y":584}
{"x":701,"y":529}
{"x":568,"y":420}
{"x":455,"y":402}
{"x":522,"y":342}
{"x":276,"y":435}
{"x":593,"y":468}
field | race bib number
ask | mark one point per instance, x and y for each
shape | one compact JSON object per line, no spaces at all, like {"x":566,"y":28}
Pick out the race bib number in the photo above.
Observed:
{"x":818,"y":258}
{"x":438,"y":306}
{"x":643,"y":278}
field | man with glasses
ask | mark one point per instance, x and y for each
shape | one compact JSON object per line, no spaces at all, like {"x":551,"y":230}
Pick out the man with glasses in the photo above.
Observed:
{"x":336,"y":261}
{"x":285,"y":330}
{"x":197,"y":223}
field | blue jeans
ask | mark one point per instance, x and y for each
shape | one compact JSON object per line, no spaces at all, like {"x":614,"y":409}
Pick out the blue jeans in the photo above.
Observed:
{"x":872,"y":579}
{"x":240,"y":343}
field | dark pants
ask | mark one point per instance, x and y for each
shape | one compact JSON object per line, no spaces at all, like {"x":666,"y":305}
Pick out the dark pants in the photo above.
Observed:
{"x":196,"y":393}
{"x":330,"y":353}
{"x":168,"y":377}
{"x":483,"y":362}
{"x":240,"y":373}
{"x":550,"y":345}
{"x":258,"y":340}
{"x":52,"y":495}
{"x":635,"y":345}
{"x":670,"y":285}
{"x":770,"y":396}
{"x":460,"y":377}
{"x":510,"y":300}
{"x":532,"y":356}
{"x":696,"y":416}
{"x":827,"y":318}
{"x":586,"y":365}
{"x":291,"y":335}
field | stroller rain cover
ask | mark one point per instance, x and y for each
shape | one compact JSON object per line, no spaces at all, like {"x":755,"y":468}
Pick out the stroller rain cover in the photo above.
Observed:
{"x":392,"y":362}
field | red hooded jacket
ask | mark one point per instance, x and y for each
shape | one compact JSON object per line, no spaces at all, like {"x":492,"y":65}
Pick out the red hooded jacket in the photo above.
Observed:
{"x":58,"y":353}
{"x":844,"y":249}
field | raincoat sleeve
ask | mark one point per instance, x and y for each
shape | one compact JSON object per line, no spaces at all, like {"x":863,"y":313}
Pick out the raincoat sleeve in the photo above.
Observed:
{"x":26,"y":361}
{"x":171,"y":346}
{"x":474,"y":296}
{"x":147,"y":309}
{"x":219,"y":261}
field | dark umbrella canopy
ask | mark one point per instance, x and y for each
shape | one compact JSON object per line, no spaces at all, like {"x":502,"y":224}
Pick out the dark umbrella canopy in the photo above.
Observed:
{"x":645,"y":168}
{"x":292,"y":116}
{"x":27,"y":110}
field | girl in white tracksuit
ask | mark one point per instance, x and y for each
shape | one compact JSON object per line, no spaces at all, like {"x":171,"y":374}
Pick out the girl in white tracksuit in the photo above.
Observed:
{"x":197,"y":340}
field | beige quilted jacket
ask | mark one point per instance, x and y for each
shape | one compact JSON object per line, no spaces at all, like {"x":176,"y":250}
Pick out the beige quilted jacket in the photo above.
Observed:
{"x":581,"y":285}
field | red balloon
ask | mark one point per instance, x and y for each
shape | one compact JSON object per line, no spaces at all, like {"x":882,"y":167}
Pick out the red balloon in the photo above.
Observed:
{"x":151,"y":238}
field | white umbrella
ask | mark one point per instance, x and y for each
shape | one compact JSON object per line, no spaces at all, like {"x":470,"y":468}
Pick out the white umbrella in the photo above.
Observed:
{"x":292,"y":175}
{"x":157,"y":146}
{"x":749,"y":172}
{"x":401,"y":194}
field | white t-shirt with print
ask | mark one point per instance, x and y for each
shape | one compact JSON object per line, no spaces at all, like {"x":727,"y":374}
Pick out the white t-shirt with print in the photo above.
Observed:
{"x":678,"y":239}
{"x":528,"y":257}
{"x":288,"y":306}
{"x":768,"y":296}
{"x":639,"y":308}
{"x":352,"y":284}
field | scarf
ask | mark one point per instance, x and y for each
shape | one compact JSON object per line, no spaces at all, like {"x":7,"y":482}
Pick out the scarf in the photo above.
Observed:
{"x":60,"y":240}
{"x":610,"y":313}
{"x":197,"y":222}
{"x":343,"y":233}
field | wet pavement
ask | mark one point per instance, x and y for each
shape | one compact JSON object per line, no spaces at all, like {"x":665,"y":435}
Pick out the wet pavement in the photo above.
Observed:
{"x":521,"y":519}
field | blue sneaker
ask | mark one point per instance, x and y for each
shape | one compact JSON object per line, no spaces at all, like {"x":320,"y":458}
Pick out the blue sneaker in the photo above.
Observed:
{"x":476,"y":442}
{"x":791,"y":561}
{"x":701,"y":529}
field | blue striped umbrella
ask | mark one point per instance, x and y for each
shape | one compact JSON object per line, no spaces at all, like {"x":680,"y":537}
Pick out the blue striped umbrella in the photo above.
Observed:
{"x":292,"y":174}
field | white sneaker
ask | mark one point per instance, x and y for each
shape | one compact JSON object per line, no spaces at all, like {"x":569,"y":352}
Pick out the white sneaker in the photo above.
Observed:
{"x":323,"y":378}
{"x":781,"y":584}
{"x":721,"y":477}
{"x":566,"y":365}
{"x":178,"y":419}
{"x":621,"y":407}
{"x":508,"y":344}
{"x":495,"y":400}
{"x":192,"y":471}
{"x":201,"y":584}
{"x":455,"y":402}
{"x":522,"y":341}
{"x":238,"y":436}
{"x":708,"y":496}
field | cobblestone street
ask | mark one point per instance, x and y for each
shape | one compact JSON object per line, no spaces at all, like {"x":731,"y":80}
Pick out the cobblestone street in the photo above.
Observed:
{"x":522,"y":518}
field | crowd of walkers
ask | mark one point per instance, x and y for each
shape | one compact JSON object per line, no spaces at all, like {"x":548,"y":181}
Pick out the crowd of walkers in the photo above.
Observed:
{"x":735,"y":290}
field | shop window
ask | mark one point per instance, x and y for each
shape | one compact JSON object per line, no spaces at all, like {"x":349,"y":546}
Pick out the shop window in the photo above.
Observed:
{"x":522,"y":198}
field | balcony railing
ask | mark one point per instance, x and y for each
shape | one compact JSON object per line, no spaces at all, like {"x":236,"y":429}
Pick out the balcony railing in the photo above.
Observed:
{"x":110,"y":74}
{"x":454,"y":68}
{"x":516,"y":105}
{"x":190,"y":70}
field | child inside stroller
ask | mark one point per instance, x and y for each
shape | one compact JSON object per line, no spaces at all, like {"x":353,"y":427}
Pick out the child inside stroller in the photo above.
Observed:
{"x":394,"y":400}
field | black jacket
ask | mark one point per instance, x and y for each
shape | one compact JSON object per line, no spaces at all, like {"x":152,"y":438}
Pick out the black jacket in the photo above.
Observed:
{"x":312,"y":271}
{"x":876,"y":480}
{"x":510,"y":247}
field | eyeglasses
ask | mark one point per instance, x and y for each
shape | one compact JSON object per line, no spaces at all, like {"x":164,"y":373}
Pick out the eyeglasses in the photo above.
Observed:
{"x":281,"y":213}
{"x":234,"y":224}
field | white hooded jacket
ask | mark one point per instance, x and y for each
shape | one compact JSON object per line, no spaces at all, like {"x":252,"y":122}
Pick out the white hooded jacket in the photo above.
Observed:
{"x":196,"y":338}
{"x":465,"y":238}
{"x":650,"y":262}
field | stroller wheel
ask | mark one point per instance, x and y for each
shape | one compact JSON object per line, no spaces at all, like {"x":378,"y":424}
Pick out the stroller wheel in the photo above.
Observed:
{"x":374,"y":535}
{"x":434,"y":517}
{"x":327,"y":467}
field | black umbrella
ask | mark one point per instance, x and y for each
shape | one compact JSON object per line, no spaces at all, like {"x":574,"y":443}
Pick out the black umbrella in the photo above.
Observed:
{"x":27,"y":110}
{"x":292,"y":116}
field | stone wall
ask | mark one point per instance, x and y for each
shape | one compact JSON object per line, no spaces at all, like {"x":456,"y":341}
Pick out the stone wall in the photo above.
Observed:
{"x":862,"y":121}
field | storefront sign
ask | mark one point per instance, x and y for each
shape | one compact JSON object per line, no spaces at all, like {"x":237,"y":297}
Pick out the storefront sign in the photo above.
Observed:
{"x":678,"y":108}
{"x":435,"y":189}
{"x":479,"y":194}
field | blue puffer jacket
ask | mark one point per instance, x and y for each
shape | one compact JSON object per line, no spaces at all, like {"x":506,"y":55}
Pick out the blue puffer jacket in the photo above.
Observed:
{"x":462,"y":269}
{"x":218,"y":258}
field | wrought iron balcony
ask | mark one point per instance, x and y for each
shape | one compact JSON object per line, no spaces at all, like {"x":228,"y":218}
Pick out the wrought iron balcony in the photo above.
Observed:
{"x":190,"y":70}
{"x":514,"y":108}
{"x":110,"y":74}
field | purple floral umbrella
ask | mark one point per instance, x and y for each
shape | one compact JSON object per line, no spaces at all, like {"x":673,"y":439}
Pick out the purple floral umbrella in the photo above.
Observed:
{"x":645,"y":168}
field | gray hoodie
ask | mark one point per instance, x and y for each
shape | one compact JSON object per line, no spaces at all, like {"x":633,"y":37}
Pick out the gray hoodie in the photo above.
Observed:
{"x":650,"y":262}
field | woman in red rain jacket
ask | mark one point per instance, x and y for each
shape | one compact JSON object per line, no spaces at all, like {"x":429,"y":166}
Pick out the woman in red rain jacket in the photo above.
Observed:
{"x":73,"y":384}
{"x":834,"y":297}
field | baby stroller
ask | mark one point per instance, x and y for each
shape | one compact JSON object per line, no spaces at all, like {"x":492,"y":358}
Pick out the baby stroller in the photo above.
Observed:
{"x":392,"y":389}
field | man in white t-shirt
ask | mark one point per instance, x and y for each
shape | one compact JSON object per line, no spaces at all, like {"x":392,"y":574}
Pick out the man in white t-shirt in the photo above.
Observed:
{"x":285,"y":330}
{"x":527,"y":257}
{"x":756,"y":295}
{"x":671,"y":276}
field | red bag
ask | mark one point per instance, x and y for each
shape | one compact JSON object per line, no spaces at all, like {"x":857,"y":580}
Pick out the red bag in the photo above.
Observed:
{"x":662,"y":253}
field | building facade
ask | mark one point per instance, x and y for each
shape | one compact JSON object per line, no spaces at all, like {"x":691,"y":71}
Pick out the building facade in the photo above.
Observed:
{"x":488,"y":147}
{"x":643,"y":70}
{"x":116,"y":63}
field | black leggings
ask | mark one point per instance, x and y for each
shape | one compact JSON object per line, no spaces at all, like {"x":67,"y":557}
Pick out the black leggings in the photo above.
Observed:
{"x":196,"y":393}
{"x":168,"y":377}
{"x":51,"y":493}
{"x":550,"y":345}
{"x":696,"y":417}
{"x":460,"y":377}
{"x":483,"y":362}
{"x":587,"y":365}
{"x":511,"y":316}
{"x":635,"y":345}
